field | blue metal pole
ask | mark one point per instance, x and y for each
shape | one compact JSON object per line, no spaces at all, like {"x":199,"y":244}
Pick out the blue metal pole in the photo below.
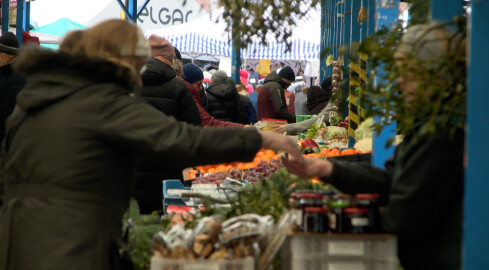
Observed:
{"x":476,"y":234}
{"x":20,"y":20}
{"x":132,"y":7}
{"x":5,"y":15}
{"x":371,"y":17}
{"x":235,"y":61}
{"x":445,"y":10}
{"x":323,"y":43}
{"x":355,"y":26}
{"x":27,"y":16}
{"x":331,"y":33}
{"x":388,"y":12}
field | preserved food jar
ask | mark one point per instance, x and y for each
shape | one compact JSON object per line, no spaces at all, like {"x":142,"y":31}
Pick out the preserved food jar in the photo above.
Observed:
{"x":315,"y":220}
{"x":357,"y":220}
{"x":371,"y":203}
{"x":336,"y":215}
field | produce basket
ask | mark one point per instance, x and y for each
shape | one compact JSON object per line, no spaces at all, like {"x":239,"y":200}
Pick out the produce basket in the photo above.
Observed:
{"x":174,"y":264}
{"x":340,"y":251}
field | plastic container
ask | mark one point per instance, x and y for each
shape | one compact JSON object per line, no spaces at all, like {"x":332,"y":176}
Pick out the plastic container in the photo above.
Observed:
{"x":172,"y":200}
{"x":316,"y":220}
{"x":371,"y":203}
{"x":357,"y":220}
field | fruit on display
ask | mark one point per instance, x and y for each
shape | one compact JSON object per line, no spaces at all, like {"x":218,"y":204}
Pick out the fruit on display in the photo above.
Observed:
{"x":309,"y":146}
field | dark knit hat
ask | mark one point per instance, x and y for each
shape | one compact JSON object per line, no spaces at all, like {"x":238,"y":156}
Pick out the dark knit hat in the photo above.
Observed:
{"x":192,"y":73}
{"x":9,"y":43}
{"x":219,"y":77}
{"x":287,"y":73}
{"x":161,"y":47}
{"x":178,"y":55}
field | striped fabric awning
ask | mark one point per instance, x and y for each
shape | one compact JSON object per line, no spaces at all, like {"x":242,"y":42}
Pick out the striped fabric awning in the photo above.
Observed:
{"x":204,"y":36}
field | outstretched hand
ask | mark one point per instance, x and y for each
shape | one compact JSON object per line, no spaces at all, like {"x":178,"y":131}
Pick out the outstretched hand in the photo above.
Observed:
{"x":277,"y":143}
{"x":313,"y":167}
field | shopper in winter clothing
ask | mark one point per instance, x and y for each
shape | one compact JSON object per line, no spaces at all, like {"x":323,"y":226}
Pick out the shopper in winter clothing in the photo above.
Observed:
{"x":271,"y":99}
{"x":422,"y":186}
{"x":290,"y":101}
{"x":10,"y":81}
{"x":223,"y":99}
{"x":193,"y":77}
{"x":65,"y":178}
{"x":318,"y":97}
{"x":293,"y":129}
{"x":248,"y":112}
{"x":168,"y":94}
{"x":300,"y":99}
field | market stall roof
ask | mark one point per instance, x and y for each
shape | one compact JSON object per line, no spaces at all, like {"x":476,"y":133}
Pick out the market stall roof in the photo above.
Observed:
{"x":57,"y":30}
{"x":204,"y":36}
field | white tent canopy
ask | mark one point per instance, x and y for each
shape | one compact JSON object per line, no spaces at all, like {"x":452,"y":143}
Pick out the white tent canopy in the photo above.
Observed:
{"x":205,"y":36}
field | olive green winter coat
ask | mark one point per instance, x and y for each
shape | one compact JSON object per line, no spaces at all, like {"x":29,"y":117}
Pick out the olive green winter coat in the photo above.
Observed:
{"x":66,"y":179}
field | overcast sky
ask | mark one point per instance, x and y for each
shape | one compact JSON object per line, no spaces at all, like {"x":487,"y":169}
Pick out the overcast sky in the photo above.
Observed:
{"x":47,"y":11}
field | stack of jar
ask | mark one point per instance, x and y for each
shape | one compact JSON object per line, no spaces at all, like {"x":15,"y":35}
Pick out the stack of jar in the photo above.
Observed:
{"x":323,"y":211}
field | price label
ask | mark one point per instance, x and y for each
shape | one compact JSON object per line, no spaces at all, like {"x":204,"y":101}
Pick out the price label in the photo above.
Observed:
{"x":201,"y":266}
{"x":346,"y":266}
{"x":352,"y":248}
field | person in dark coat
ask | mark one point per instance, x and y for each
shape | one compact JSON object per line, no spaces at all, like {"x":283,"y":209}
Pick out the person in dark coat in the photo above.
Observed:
{"x":247,"y":113}
{"x":318,"y":97}
{"x":223,"y":99}
{"x":168,"y":94}
{"x":422,"y":187}
{"x":193,"y":77}
{"x":66,"y":178}
{"x":11,"y":82}
{"x":271,"y":99}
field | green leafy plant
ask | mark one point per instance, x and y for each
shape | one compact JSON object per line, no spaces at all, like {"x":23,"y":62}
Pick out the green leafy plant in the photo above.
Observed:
{"x":438,"y":98}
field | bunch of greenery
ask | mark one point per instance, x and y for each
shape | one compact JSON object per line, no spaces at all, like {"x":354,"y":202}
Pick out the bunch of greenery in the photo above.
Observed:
{"x":247,"y":19}
{"x":439,"y":85}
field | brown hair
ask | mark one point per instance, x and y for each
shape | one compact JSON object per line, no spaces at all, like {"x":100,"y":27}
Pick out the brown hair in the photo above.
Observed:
{"x":106,"y":40}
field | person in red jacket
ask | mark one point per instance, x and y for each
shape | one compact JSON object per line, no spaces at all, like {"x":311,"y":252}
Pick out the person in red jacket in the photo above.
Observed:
{"x":193,"y":76}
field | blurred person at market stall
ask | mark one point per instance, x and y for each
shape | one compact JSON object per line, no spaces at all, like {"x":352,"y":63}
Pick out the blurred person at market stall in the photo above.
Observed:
{"x":294,"y":128}
{"x":193,"y":77}
{"x":318,"y":97}
{"x":168,"y":94}
{"x":224,"y":100}
{"x":289,"y":101}
{"x":254,"y":97}
{"x":271,"y":99}
{"x":300,"y":99}
{"x":243,"y":77}
{"x":67,"y":165}
{"x":245,"y":102}
{"x":253,"y":78}
{"x":11,"y":82}
{"x":421,"y":187}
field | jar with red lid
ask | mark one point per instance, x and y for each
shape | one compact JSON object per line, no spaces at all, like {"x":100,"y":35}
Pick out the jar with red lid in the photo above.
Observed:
{"x":371,"y":203}
{"x":357,"y":220}
{"x":308,"y":199}
{"x":315,"y":220}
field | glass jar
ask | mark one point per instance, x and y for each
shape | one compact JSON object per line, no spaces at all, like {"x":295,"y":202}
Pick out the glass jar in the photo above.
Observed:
{"x":357,"y":220}
{"x":336,"y":216}
{"x":296,"y":211}
{"x":315,"y":220}
{"x":371,"y":203}
{"x":308,"y":199}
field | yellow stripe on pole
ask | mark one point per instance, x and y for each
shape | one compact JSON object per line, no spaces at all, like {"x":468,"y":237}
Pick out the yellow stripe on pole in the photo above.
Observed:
{"x":358,"y":79}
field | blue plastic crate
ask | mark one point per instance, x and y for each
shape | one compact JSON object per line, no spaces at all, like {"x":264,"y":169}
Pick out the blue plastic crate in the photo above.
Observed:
{"x":167,"y":200}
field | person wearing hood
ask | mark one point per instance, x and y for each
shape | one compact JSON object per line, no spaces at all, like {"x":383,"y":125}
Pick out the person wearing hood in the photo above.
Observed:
{"x":318,"y":97}
{"x":67,"y":163}
{"x":193,"y":77}
{"x":271,"y":99}
{"x":168,"y":94}
{"x":300,"y":99}
{"x":223,"y":99}
{"x":10,"y":81}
